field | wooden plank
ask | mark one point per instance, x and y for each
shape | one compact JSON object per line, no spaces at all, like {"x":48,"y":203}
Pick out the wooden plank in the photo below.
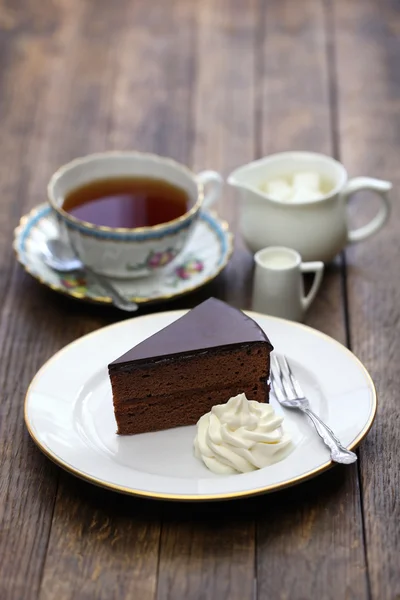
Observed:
{"x":223,"y":117}
{"x":29,"y":331}
{"x":295,"y":114}
{"x":310,"y":542}
{"x":368,"y":87}
{"x":107,"y":547}
{"x":207,"y":551}
{"x":105,"y":83}
{"x":204,"y":555}
{"x":102,"y":545}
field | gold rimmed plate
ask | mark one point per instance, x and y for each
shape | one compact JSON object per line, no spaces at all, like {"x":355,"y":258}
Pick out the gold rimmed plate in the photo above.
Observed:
{"x":69,"y":414}
{"x":205,"y":256}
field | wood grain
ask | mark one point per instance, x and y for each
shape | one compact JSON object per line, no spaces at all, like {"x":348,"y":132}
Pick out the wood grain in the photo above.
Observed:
{"x":294,"y":113}
{"x":213,"y":84}
{"x":149,"y":108}
{"x":102,"y":545}
{"x":28,"y":482}
{"x":204,"y":555}
{"x":223,"y":116}
{"x":207,"y":551}
{"x":369,"y":110}
{"x":310,"y":542}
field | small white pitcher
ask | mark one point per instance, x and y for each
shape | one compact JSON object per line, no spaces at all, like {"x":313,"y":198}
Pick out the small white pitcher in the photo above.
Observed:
{"x":278,"y":288}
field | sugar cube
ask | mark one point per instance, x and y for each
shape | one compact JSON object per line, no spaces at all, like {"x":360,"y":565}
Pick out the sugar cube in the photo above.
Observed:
{"x":279,"y":189}
{"x":306,"y":180}
{"x":305,"y":195}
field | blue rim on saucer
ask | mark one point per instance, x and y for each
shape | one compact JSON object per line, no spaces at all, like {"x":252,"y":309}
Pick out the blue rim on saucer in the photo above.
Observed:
{"x":206,"y":254}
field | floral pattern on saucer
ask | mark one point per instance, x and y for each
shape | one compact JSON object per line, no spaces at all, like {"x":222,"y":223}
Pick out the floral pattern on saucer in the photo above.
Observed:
{"x":206,"y":254}
{"x":155,"y":260}
{"x":184,"y":271}
{"x":71,"y":282}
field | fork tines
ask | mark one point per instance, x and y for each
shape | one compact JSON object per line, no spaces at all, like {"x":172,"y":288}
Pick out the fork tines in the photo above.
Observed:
{"x":282,"y":379}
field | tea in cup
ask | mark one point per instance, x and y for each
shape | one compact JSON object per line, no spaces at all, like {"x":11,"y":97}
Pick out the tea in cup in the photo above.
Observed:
{"x":127,"y":214}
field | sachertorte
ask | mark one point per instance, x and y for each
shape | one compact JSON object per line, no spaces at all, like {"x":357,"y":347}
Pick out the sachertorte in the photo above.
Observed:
{"x":175,"y":376}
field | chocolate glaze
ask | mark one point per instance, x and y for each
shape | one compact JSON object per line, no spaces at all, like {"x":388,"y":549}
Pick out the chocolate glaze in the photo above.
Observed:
{"x":211,"y":324}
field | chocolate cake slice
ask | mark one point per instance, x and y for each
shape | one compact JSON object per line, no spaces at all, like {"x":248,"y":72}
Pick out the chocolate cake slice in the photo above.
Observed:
{"x":175,"y":376}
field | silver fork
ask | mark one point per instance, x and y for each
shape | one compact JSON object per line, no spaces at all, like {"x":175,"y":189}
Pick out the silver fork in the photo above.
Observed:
{"x":288,"y":392}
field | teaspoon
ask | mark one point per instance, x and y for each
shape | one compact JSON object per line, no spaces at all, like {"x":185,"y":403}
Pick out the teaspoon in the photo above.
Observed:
{"x":60,"y":257}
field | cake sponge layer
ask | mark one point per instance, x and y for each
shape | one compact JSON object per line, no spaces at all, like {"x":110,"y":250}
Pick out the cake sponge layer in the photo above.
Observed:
{"x":178,"y":391}
{"x":165,"y":412}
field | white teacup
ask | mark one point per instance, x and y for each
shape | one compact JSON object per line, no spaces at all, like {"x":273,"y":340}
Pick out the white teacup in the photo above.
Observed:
{"x":123,"y":252}
{"x":278,"y":287}
{"x":317,"y":228}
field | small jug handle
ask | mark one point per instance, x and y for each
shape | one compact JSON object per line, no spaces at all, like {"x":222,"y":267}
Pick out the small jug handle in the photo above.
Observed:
{"x":381,"y":188}
{"x":316,"y":267}
{"x":214,"y":182}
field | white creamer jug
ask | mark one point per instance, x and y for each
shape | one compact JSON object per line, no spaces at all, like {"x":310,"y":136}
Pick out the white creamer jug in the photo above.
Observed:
{"x":317,"y":228}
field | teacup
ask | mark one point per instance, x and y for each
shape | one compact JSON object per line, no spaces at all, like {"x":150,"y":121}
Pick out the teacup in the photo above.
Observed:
{"x":278,"y":287}
{"x":317,"y":228}
{"x":123,"y":252}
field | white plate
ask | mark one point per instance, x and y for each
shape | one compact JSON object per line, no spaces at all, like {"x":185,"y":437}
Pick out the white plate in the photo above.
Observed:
{"x":205,"y":256}
{"x":69,"y":414}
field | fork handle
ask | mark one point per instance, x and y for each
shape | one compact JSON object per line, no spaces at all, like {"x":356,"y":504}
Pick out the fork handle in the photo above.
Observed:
{"x":339,"y":453}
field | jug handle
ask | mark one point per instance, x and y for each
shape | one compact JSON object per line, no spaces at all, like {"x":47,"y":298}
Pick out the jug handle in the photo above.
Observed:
{"x":212,"y":183}
{"x":316,"y":267}
{"x":381,"y":188}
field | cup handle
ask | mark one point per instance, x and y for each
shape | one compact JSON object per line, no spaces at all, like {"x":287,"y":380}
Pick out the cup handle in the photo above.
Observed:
{"x":381,"y":188}
{"x":214,"y":182}
{"x":316,"y":267}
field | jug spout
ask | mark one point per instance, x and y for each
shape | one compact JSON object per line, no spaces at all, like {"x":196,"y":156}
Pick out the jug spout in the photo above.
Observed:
{"x":248,"y":178}
{"x":238,"y":180}
{"x":235,"y":182}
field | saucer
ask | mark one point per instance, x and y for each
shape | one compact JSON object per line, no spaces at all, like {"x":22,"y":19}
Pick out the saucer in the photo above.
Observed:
{"x":69,"y":414}
{"x":205,"y":256}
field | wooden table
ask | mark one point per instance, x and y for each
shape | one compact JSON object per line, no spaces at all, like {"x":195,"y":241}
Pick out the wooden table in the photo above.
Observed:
{"x":212,"y":84}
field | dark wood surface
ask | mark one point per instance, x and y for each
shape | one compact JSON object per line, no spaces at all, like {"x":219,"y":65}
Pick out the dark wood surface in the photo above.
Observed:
{"x":213,"y":84}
